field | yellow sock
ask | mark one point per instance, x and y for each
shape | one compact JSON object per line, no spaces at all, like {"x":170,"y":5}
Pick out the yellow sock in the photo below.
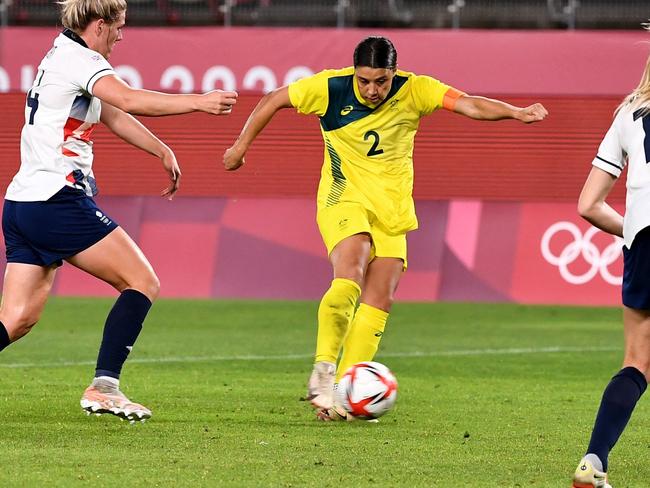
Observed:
{"x":362,"y":341}
{"x":334,"y":315}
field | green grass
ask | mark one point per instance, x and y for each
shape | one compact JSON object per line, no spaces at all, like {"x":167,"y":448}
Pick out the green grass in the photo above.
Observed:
{"x":480,"y":402}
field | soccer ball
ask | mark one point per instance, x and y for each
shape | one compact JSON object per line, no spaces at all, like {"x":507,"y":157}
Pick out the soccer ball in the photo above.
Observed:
{"x":367,"y":390}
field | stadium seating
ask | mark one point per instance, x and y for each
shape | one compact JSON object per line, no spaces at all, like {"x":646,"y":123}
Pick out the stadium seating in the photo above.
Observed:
{"x":507,"y":14}
{"x":514,"y":14}
{"x":434,"y":14}
{"x":628,"y":14}
{"x":194,"y":12}
{"x":146,"y":12}
{"x":33,"y":12}
{"x":297,"y":13}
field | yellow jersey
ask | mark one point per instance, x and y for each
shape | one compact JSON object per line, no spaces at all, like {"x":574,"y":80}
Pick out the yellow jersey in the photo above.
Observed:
{"x":369,"y":149}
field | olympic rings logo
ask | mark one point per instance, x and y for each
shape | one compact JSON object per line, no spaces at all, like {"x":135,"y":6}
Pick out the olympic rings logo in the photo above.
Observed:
{"x":582,"y":247}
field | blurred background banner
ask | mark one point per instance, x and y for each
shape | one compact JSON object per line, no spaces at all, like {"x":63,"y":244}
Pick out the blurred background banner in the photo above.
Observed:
{"x":261,"y":59}
{"x":269,"y":248}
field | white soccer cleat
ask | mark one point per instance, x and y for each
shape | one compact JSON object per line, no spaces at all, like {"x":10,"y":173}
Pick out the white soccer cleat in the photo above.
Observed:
{"x":335,"y":414}
{"x":338,"y":414}
{"x":99,"y":399}
{"x":320,"y":389}
{"x":587,"y":476}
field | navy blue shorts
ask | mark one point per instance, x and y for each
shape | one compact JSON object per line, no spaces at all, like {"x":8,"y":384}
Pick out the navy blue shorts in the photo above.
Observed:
{"x":46,"y":233}
{"x":636,"y":272}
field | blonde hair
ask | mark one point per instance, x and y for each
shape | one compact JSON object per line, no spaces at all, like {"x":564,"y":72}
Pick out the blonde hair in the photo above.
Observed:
{"x":77,"y":14}
{"x":640,"y":97}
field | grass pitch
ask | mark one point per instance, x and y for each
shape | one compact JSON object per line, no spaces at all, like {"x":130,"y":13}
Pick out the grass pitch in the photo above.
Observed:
{"x":490,"y":396}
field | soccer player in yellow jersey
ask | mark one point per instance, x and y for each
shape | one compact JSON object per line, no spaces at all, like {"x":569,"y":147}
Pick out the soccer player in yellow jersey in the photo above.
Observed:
{"x":369,"y":114}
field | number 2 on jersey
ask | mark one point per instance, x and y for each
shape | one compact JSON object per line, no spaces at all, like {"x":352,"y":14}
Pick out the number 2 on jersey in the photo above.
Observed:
{"x":374,"y":151}
{"x":32,"y":102}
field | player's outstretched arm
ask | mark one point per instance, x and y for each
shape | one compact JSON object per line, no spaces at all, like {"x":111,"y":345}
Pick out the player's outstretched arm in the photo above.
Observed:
{"x":593,"y":207}
{"x":129,"y":129}
{"x":481,"y":108}
{"x":117,"y":93}
{"x":266,"y":108}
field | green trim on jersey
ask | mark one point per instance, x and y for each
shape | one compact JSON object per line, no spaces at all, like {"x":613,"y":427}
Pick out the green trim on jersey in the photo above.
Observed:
{"x":343,"y":107}
{"x":339,"y":183}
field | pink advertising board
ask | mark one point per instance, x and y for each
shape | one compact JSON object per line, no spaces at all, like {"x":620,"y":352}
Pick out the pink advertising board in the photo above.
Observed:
{"x":260,"y":59}
{"x":465,"y":250}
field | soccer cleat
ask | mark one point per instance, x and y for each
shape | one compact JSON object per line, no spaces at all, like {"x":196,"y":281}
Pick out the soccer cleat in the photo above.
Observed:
{"x":338,"y":414}
{"x":320,"y":389}
{"x":587,"y":476}
{"x":102,"y":397}
{"x":335,"y":414}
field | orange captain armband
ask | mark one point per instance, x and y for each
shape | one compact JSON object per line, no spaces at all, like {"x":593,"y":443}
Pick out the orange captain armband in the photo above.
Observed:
{"x":451,"y":95}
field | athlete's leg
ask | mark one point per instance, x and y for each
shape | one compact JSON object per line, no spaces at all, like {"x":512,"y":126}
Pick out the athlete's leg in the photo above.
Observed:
{"x":626,"y":387}
{"x":361,"y":343}
{"x":117,"y":260}
{"x":25,"y":291}
{"x":619,"y":399}
{"x":382,"y":278}
{"x":349,"y":260}
{"x":636,"y":325}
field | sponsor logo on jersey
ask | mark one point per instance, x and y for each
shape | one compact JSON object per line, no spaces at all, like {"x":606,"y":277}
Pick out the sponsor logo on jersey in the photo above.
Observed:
{"x":103,"y":218}
{"x":346,"y":110}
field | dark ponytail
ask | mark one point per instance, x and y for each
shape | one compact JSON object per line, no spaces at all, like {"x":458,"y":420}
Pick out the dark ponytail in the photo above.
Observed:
{"x":375,"y":52}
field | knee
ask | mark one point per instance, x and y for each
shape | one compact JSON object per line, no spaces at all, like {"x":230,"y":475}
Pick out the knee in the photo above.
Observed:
{"x":152,"y":287}
{"x":354,"y":273}
{"x":19,"y":322}
{"x":148,"y":285}
{"x":382,"y":301}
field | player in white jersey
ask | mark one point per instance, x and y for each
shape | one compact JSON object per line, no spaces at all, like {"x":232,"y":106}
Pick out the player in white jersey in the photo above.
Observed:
{"x":627,"y":142}
{"x":49,"y":215}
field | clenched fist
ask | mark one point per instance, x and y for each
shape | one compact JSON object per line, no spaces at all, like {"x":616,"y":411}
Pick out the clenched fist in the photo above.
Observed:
{"x":218,"y":102}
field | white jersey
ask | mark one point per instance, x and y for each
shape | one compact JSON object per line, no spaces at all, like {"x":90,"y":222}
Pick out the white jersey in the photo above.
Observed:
{"x":60,"y":114}
{"x":628,"y":142}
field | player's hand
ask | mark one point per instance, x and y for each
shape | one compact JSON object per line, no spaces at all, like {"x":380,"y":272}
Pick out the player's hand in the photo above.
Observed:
{"x":532,"y":113}
{"x":233,"y":158}
{"x":218,"y":102}
{"x":173,"y":172}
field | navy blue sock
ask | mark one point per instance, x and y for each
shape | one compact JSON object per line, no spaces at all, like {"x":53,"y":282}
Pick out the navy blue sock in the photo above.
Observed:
{"x":619,"y":399}
{"x":123,"y":325}
{"x":4,"y":337}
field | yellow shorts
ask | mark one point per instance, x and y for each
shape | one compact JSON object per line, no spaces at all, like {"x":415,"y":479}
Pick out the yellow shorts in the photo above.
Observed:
{"x":347,"y":219}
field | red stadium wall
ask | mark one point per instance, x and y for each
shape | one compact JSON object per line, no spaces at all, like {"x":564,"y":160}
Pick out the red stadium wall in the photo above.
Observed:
{"x":454,"y":157}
